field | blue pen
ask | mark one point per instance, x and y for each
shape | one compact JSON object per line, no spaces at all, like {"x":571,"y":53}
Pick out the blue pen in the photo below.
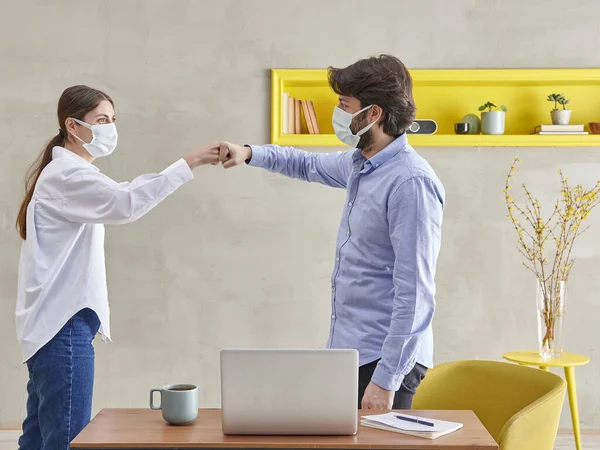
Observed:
{"x":410,"y":419}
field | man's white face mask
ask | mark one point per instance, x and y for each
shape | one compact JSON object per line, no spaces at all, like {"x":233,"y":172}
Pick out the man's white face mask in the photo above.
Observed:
{"x":341,"y":125}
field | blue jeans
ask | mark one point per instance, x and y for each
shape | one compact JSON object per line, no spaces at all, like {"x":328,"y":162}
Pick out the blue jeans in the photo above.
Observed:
{"x":61,"y":381}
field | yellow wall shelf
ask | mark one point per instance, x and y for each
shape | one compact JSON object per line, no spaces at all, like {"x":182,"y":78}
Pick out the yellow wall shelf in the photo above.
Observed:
{"x":448,"y":95}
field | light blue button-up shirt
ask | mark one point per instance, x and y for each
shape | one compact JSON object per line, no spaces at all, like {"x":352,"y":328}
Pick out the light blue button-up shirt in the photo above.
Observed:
{"x":383,"y":289}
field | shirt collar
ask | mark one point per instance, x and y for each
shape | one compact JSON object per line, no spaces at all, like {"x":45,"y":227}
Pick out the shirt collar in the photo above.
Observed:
{"x":396,"y":146}
{"x":61,"y":152}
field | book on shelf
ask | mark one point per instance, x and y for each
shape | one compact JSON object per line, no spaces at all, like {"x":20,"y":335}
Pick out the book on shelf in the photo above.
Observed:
{"x":560,"y":133}
{"x":558,"y":128}
{"x":313,"y":116}
{"x":291,"y":115}
{"x":309,"y":116}
{"x":297,"y":116}
{"x":293,"y":110}
{"x":285,"y":113}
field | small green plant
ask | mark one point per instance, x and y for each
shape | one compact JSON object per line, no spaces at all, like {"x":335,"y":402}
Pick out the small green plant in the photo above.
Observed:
{"x":558,"y":99}
{"x":491,"y":107}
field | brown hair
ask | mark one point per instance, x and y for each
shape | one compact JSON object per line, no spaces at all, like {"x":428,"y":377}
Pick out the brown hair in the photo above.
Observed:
{"x":75,"y":102}
{"x":383,"y":81}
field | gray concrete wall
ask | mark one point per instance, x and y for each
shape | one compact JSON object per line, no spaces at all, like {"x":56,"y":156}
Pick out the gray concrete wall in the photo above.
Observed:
{"x":243,"y":258}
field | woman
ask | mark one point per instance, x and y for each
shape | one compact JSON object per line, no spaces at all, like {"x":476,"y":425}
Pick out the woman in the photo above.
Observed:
{"x":62,"y":296}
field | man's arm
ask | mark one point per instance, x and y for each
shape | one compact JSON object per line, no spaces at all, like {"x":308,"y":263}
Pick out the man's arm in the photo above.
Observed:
{"x":415,"y":220}
{"x":330,"y":169}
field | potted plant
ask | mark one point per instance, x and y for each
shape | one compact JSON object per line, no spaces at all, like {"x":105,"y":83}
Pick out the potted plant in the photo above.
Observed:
{"x":560,"y":116}
{"x":492,"y":118}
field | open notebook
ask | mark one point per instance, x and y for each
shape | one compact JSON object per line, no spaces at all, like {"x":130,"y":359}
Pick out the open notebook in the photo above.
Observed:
{"x":390,"y":422}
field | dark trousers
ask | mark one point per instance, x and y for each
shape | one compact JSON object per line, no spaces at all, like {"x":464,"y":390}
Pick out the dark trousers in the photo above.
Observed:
{"x":404,"y":396}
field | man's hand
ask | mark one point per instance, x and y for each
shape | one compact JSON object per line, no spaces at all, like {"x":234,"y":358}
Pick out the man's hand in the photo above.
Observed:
{"x":377,"y":398}
{"x":231,"y":155}
{"x":209,"y":154}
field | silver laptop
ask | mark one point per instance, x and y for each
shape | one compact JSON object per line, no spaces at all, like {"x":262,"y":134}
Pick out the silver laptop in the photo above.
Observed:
{"x":289,"y":392}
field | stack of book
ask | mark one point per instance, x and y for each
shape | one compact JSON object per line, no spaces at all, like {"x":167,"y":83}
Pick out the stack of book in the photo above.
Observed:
{"x":293,"y":112}
{"x":559,"y":129}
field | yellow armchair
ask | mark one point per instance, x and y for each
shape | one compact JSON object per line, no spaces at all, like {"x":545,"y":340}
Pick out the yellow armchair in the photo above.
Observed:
{"x":519,"y":406}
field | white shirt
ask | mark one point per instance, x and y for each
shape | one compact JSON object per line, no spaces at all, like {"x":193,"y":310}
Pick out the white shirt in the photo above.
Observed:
{"x":61,"y":269}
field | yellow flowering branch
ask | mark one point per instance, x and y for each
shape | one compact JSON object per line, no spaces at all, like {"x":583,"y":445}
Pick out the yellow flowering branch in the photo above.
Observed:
{"x":562,"y":226}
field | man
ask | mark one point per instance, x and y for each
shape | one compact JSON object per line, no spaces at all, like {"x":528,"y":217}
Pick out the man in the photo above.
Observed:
{"x":389,"y":238}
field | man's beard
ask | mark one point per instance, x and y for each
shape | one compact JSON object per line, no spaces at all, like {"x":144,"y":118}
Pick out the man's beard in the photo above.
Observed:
{"x":366,"y":140}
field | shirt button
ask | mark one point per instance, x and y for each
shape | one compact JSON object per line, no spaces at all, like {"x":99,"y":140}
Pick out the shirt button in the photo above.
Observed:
{"x":337,"y":259}
{"x":350,"y":204}
{"x":376,"y":165}
{"x":347,"y":233}
{"x":333,"y":288}
{"x":333,"y":316}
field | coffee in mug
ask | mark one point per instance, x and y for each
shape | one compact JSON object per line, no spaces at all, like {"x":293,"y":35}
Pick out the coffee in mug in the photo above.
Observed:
{"x":178,"y":402}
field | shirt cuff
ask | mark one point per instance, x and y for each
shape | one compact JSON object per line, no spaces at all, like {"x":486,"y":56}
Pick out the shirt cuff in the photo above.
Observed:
{"x":258,"y":156}
{"x":181,"y":170}
{"x":385,"y":380}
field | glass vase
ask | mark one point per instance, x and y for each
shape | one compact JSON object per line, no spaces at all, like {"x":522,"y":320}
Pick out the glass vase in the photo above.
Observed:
{"x":551,"y":311}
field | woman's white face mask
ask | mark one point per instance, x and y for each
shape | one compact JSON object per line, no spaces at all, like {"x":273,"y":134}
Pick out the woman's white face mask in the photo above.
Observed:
{"x":341,"y":125}
{"x":104,"y":138}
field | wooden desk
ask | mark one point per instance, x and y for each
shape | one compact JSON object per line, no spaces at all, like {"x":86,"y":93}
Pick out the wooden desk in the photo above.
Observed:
{"x":142,"y":428}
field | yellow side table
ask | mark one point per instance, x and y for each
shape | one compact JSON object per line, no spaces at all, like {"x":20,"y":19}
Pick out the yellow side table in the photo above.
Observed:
{"x":569,"y":361}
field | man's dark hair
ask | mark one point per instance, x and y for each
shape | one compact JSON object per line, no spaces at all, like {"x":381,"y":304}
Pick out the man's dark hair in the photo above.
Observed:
{"x":383,"y":81}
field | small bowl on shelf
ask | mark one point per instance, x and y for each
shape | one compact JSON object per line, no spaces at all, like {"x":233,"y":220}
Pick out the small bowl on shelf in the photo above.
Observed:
{"x":461,"y":128}
{"x":594,"y":127}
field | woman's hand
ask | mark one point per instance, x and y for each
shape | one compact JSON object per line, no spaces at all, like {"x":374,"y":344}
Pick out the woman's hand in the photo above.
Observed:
{"x":209,"y":154}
